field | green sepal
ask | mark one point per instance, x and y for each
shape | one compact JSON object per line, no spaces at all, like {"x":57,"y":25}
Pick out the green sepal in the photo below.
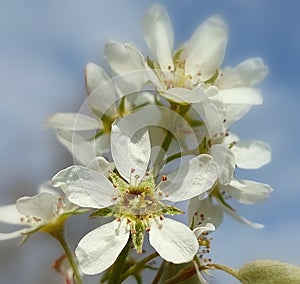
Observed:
{"x":150,"y":63}
{"x":103,"y":212}
{"x":137,"y":234}
{"x":118,"y":182}
{"x":213,"y":78}
{"x":177,"y":55}
{"x":169,"y":210}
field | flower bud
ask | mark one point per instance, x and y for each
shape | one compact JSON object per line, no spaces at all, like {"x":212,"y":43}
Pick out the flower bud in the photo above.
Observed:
{"x":269,"y":272}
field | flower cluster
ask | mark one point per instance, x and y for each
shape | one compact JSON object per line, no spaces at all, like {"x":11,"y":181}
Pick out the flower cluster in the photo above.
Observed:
{"x":158,"y":134}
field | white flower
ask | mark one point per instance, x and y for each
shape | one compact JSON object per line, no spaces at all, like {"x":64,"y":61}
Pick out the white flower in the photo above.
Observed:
{"x":135,"y":200}
{"x":196,"y":65}
{"x":248,"y":155}
{"x":108,"y":102}
{"x":44,"y":212}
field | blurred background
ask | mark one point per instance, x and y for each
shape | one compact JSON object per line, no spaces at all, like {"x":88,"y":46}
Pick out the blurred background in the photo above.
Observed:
{"x":44,"y":47}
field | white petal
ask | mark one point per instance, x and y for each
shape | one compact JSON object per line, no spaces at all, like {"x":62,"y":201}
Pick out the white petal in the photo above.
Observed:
{"x":130,"y":146}
{"x":234,"y":112}
{"x":225,"y":159}
{"x":159,"y":35}
{"x":124,"y":59}
{"x":192,"y":178}
{"x":12,"y":235}
{"x":100,"y":164}
{"x":230,"y":137}
{"x":85,"y":187}
{"x":206,"y":48}
{"x":241,"y":96}
{"x":251,"y":154}
{"x":73,"y":122}
{"x":182,"y":95}
{"x":81,"y":149}
{"x":40,"y":205}
{"x":105,"y":96}
{"x":233,"y":214}
{"x":174,"y":241}
{"x":47,"y":187}
{"x":248,"y":73}
{"x":212,"y":118}
{"x":10,"y":214}
{"x":248,"y":192}
{"x":99,"y":249}
{"x":94,"y":77}
{"x":208,"y":227}
{"x":204,"y":211}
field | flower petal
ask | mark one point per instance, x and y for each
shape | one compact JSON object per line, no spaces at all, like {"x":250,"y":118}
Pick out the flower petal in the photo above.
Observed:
{"x":192,"y":178}
{"x":251,"y":154}
{"x":85,"y":187}
{"x":94,"y":77}
{"x":247,"y":191}
{"x":12,"y":235}
{"x":126,"y":58}
{"x":10,"y":214}
{"x":40,"y":205}
{"x":73,"y":122}
{"x":174,"y":241}
{"x":233,"y":214}
{"x":100,"y":164}
{"x":212,"y":118}
{"x":81,"y":149}
{"x":104,"y":97}
{"x":205,"y":50}
{"x":204,"y":211}
{"x":248,"y":73}
{"x":99,"y":249}
{"x":241,"y":96}
{"x":208,"y":227}
{"x":182,"y":95}
{"x":225,"y":160}
{"x":234,"y":112}
{"x":130,"y":146}
{"x":158,"y":33}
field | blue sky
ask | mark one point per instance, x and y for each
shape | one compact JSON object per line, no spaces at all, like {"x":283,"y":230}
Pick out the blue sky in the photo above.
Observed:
{"x":44,"y":47}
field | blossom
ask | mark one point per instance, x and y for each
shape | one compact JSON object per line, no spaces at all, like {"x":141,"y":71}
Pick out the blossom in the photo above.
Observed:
{"x":132,"y":196}
{"x":45,"y":212}
{"x":229,"y":155}
{"x":194,"y":65}
{"x":85,"y":136}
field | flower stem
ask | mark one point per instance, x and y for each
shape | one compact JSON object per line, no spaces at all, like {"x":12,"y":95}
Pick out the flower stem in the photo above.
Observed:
{"x":159,"y":273}
{"x":182,"y":275}
{"x":136,"y":267}
{"x":181,"y":154}
{"x":226,"y":269}
{"x":59,"y":235}
{"x":181,"y":110}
